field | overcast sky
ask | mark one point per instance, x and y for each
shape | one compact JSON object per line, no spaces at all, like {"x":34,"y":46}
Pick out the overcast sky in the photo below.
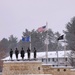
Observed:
{"x":17,"y":15}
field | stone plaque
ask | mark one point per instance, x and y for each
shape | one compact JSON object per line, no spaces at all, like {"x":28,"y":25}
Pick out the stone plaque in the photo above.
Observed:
{"x":19,"y":68}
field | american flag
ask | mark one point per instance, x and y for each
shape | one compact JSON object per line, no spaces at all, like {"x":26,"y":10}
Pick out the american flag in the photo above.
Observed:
{"x":41,"y":29}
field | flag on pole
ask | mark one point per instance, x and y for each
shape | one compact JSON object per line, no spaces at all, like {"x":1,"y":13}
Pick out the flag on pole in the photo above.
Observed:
{"x":26,"y":39}
{"x":61,"y":37}
{"x":41,"y":29}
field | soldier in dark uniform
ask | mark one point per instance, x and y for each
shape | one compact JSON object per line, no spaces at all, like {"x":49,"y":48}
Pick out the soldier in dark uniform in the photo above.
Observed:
{"x":16,"y":53}
{"x":11,"y":53}
{"x":34,"y":53}
{"x":28,"y":52}
{"x":22,"y":53}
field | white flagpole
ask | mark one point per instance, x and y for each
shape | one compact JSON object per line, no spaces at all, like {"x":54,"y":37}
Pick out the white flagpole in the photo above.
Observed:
{"x":47,"y":42}
{"x":57,"y":52}
{"x":65,"y":50}
{"x":30,"y":42}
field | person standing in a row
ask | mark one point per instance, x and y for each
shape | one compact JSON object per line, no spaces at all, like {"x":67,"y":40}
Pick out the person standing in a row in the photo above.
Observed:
{"x":35,"y":53}
{"x":22,"y":53}
{"x":11,"y":53}
{"x":16,"y":53}
{"x":28,"y":52}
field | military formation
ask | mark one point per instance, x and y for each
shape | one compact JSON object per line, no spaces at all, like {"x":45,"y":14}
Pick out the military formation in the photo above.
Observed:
{"x":22,"y":52}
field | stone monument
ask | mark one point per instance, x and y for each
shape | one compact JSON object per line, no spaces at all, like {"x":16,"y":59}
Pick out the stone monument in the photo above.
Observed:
{"x":22,"y":67}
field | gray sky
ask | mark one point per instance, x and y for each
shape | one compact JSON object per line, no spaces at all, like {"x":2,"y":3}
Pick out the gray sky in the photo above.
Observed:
{"x":17,"y":15}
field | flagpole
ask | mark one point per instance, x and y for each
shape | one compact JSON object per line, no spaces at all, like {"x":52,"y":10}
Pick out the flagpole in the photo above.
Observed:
{"x":30,"y":42}
{"x":57,"y":52}
{"x":47,"y":42}
{"x":46,"y":53}
{"x":65,"y":50}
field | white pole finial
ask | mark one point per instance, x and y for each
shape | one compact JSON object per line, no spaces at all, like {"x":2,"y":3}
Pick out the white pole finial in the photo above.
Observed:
{"x":46,"y":23}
